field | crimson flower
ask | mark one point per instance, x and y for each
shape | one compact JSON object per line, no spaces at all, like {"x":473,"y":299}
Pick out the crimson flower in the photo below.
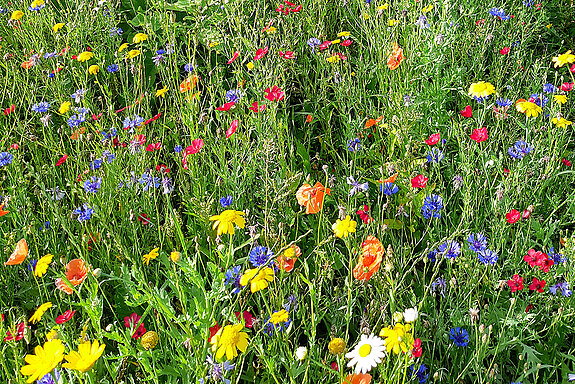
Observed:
{"x":364,"y":215}
{"x":226,"y":107}
{"x":467,"y":112}
{"x":334,"y":366}
{"x":197,"y":144}
{"x":479,"y":135}
{"x":516,"y":284}
{"x":324,"y":45}
{"x":565,"y":161}
{"x":572,"y":69}
{"x":287,"y":55}
{"x":505,"y":50}
{"x":513,"y":216}
{"x":567,"y":87}
{"x":213,"y":331}
{"x":154,"y":147}
{"x":529,"y":307}
{"x":274,"y":94}
{"x":346,"y":43}
{"x":152,"y":119}
{"x":9,"y":110}
{"x":247,"y":318}
{"x":257,"y":108}
{"x":62,"y":160}
{"x":261,"y":53}
{"x":232,"y":129}
{"x":417,"y":351}
{"x":66,"y":316}
{"x":433,"y":139}
{"x":162,"y":168}
{"x":15,"y":146}
{"x":545,"y":263}
{"x":419,"y":181}
{"x":533,"y":257}
{"x":131,"y":321}
{"x":143,"y":218}
{"x":20,"y":328}
{"x":235,"y":56}
{"x":537,"y":285}
{"x":525,"y":215}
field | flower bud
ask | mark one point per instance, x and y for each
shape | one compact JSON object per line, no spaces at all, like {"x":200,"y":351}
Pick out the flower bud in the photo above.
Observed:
{"x":301,"y":353}
{"x":175,"y":256}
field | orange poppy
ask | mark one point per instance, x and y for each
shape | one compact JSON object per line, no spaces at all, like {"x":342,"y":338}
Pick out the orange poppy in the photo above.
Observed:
{"x":371,"y":122}
{"x":372,"y":252}
{"x":390,"y":179}
{"x":19,"y":254}
{"x":2,"y":211}
{"x":289,"y":257}
{"x":311,"y":197}
{"x":362,"y":378}
{"x":27,"y":64}
{"x":76,"y":272}
{"x":395,"y":58}
{"x":77,"y":133}
{"x":189,"y":83}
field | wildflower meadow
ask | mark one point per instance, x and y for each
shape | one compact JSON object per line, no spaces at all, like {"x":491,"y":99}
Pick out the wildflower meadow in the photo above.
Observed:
{"x":287,"y":191}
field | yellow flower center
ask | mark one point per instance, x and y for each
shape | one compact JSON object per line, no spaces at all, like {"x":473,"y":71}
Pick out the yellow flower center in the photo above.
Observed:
{"x":364,"y":350}
{"x":230,"y":336}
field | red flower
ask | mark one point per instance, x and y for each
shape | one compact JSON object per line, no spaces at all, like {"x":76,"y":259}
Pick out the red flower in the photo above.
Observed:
{"x":261,"y":53}
{"x":532,"y":257}
{"x":479,"y":135}
{"x":433,"y":139}
{"x":529,"y":307}
{"x":213,"y":331}
{"x":152,"y":119}
{"x":232,"y":129}
{"x":131,"y":321}
{"x":324,"y":45}
{"x":572,"y":69}
{"x":467,"y":112}
{"x":334,"y":366}
{"x":566,"y":162}
{"x":257,"y":108}
{"x":248,"y":319}
{"x":15,"y":146}
{"x":419,"y":181}
{"x":346,"y":43}
{"x":505,"y":172}
{"x":154,"y":147}
{"x":545,"y":263}
{"x":162,"y":168}
{"x":9,"y":110}
{"x":20,"y":328}
{"x":364,"y":215}
{"x":480,"y":22}
{"x":143,"y":218}
{"x":287,"y":55}
{"x":66,"y":316}
{"x":504,"y":51}
{"x":235,"y":56}
{"x":516,"y":284}
{"x":417,"y":350}
{"x":537,"y":285}
{"x":513,"y":216}
{"x":197,"y":144}
{"x":274,"y":94}
{"x":567,"y":87}
{"x":226,"y":107}
{"x":62,"y":160}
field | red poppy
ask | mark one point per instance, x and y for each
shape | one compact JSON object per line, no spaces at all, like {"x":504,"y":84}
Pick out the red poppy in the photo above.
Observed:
{"x":197,"y":144}
{"x":143,"y":218}
{"x":257,"y":108}
{"x":525,"y":215}
{"x":529,"y":307}
{"x":287,"y":55}
{"x":419,"y":181}
{"x":20,"y":328}
{"x":162,"y":168}
{"x":567,"y":87}
{"x":274,"y":94}
{"x":232,"y":129}
{"x":479,"y":135}
{"x":372,"y":252}
{"x":131,"y":322}
{"x":66,"y":316}
{"x":226,"y":107}
{"x":261,"y":53}
{"x":334,"y":366}
{"x":513,"y":216}
{"x":62,"y":160}
{"x":467,"y":112}
{"x":312,"y":197}
{"x":213,"y":331}
{"x":505,"y":50}
{"x":76,"y":273}
{"x":235,"y":56}
{"x":516,"y":284}
{"x":154,"y":147}
{"x":15,"y":146}
{"x":248,"y":319}
{"x":566,"y":162}
{"x":324,"y":45}
{"x":537,"y":285}
{"x":9,"y":110}
{"x":346,"y":43}
{"x":417,"y":351}
{"x":433,"y":139}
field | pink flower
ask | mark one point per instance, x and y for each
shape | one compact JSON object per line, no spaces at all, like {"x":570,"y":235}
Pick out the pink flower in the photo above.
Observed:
{"x":226,"y":106}
{"x":479,"y":135}
{"x":261,"y":53}
{"x":419,"y":181}
{"x":433,"y":139}
{"x":15,"y":146}
{"x":154,"y":147}
{"x":232,"y":129}
{"x":257,"y":108}
{"x":247,"y":317}
{"x":567,"y":87}
{"x":274,"y":94}
{"x":235,"y":56}
{"x":346,"y":43}
{"x":324,"y":45}
{"x":62,"y":160}
{"x":513,"y":216}
{"x":66,"y":316}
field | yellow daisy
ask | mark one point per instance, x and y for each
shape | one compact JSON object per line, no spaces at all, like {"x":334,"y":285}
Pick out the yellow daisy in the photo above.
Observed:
{"x":342,"y":228}
{"x":566,"y":58}
{"x":228,"y":340}
{"x":44,"y":360}
{"x":39,"y":312}
{"x":224,"y":222}
{"x":87,"y":355}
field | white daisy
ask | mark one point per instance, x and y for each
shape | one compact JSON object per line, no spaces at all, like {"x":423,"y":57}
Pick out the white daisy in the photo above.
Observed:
{"x":410,"y":315}
{"x":366,"y":354}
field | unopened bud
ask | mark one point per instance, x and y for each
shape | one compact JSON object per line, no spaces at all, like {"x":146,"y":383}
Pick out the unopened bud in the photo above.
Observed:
{"x":484,"y":338}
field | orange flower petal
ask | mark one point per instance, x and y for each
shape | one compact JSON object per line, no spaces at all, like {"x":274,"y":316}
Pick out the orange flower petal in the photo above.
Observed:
{"x":19,"y":254}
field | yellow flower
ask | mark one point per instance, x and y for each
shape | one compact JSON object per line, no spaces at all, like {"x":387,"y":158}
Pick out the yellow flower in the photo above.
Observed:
{"x":44,"y":360}
{"x":17,"y":15}
{"x":64,"y":107}
{"x":281,"y":316}
{"x":427,"y":9}
{"x":228,"y":340}
{"x":37,"y":3}
{"x":336,"y":41}
{"x":271,"y":30}
{"x":225,"y":221}
{"x":86,"y":357}
{"x":333,"y":59}
{"x":343,"y":34}
{"x":529,"y":108}
{"x":161,"y":92}
{"x":342,"y":228}
{"x":250,"y":65}
{"x":122,"y":47}
{"x":566,"y":58}
{"x":85,"y":56}
{"x":549,"y":25}
{"x":39,"y":312}
{"x":133,"y":53}
{"x":561,"y":122}
{"x":175,"y":256}
{"x":53,"y":334}
{"x":366,"y":16}
{"x":336,"y":346}
{"x":93,"y":69}
{"x":150,"y":340}
{"x":481,"y":89}
{"x":139,"y":37}
{"x":397,"y":338}
{"x":150,"y":256}
{"x":42,"y":265}
{"x":214,"y":43}
{"x":383,"y":7}
{"x":392,"y":22}
{"x":57,"y":27}
{"x":560,"y":99}
{"x":258,"y":280}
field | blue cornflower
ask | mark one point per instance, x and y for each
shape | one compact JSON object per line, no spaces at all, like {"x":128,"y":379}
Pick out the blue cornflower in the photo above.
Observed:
{"x":539,"y":99}
{"x":450,"y":249}
{"x":51,"y":75}
{"x":549,"y":88}
{"x":354,"y":145}
{"x":217,"y":371}
{"x":487,"y":257}
{"x":32,"y":265}
{"x":82,"y":110}
{"x":356,"y":186}
{"x":260,"y":256}
{"x":131,"y":123}
{"x":96,"y":164}
{"x":149,"y":181}
{"x":5,"y":159}
{"x":422,"y":22}
{"x":116,"y":32}
{"x":49,"y":55}
{"x":432,"y":205}
{"x":389,"y":189}
{"x":420,"y":374}
{"x":459,"y":336}
{"x":563,"y":287}
{"x":520,"y":149}
{"x":189,"y":67}
{"x":75,"y":120}
{"x":439,"y":283}
{"x":435,"y":155}
{"x":481,"y":99}
{"x":78,"y":95}
{"x":292,"y":304}
{"x":477,"y":242}
{"x":432,"y":255}
{"x":92,"y":185}
{"x":41,"y":107}
{"x":233,"y":95}
{"x":556,"y":257}
{"x":47,"y":225}
{"x":49,"y":378}
{"x":503,"y":102}
{"x":500,"y":13}
{"x":167,"y":186}
{"x":113,"y":68}
{"x":313,"y":42}
{"x":226,"y":201}
{"x":159,"y":58}
{"x":84,"y":212}
{"x":178,"y":148}
{"x":233,"y":276}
